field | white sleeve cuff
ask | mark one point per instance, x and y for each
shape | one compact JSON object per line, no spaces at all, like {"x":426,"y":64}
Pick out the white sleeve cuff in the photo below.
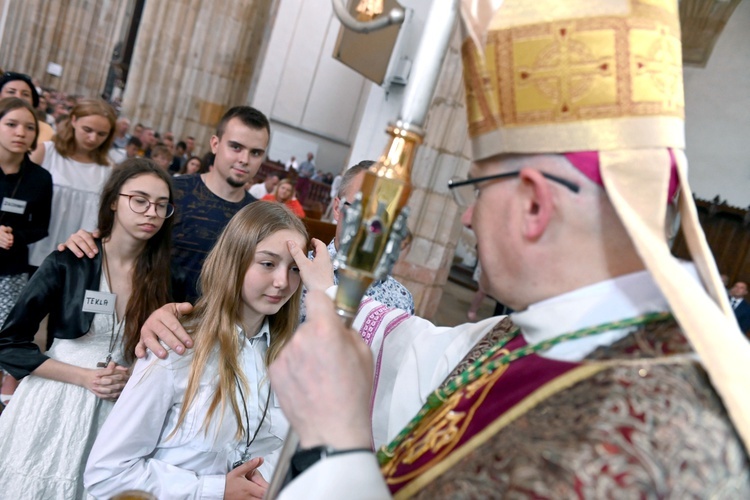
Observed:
{"x":213,"y":486}
{"x":350,"y":475}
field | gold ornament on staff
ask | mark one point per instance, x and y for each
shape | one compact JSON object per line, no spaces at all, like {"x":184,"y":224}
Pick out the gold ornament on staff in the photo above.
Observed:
{"x":375,"y":224}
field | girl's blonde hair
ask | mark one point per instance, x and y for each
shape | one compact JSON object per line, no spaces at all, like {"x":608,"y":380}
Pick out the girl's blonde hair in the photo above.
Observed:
{"x":281,"y":183}
{"x":65,"y":139}
{"x":213,"y":321}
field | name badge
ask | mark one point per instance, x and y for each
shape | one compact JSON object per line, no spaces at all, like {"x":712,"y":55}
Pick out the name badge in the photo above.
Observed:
{"x":99,"y":302}
{"x":13,"y":206}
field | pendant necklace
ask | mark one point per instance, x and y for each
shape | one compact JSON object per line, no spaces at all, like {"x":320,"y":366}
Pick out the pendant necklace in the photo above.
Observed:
{"x":114,"y":336}
{"x":248,"y":440}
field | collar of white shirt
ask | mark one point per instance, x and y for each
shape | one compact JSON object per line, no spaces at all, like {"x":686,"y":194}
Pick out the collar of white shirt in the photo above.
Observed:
{"x":263,"y":335}
{"x":611,"y":300}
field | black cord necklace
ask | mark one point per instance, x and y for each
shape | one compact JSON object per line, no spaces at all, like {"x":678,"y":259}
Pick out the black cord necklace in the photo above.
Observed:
{"x":248,"y":440}
{"x":114,"y":335}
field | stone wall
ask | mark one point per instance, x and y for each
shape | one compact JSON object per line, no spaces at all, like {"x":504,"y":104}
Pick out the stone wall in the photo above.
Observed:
{"x":79,"y":35}
{"x":193,"y":60}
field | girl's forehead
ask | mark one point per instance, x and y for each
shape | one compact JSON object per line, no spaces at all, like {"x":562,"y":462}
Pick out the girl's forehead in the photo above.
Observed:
{"x":18,"y":113}
{"x":279,"y":239}
{"x":147,"y":182}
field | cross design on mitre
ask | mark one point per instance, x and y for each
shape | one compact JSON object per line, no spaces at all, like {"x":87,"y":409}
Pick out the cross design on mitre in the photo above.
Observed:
{"x":662,"y":64}
{"x":565,"y":71}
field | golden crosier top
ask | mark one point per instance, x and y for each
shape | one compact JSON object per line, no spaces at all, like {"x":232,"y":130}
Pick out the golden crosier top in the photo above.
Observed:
{"x":560,"y":76}
{"x":398,"y":157}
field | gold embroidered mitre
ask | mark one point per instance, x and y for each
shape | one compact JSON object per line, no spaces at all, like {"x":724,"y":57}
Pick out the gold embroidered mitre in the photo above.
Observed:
{"x":558,"y":76}
{"x":567,"y":76}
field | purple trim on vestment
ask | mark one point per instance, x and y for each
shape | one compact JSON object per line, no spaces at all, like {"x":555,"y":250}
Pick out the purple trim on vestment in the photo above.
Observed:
{"x":481,"y":407}
{"x":372,"y":323}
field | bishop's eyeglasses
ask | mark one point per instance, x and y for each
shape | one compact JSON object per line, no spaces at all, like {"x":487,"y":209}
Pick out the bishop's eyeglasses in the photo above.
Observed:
{"x":466,"y":191}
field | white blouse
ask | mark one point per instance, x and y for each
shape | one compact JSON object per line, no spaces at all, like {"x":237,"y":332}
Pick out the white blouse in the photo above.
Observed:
{"x":136,"y":448}
{"x":76,"y":190}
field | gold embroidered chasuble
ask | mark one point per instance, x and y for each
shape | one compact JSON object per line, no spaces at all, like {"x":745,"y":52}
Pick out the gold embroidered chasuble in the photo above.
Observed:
{"x":637,"y":419}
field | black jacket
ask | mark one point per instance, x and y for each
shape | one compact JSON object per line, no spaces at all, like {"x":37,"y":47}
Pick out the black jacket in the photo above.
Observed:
{"x":742,"y":313}
{"x":33,"y":185}
{"x":57,"y":288}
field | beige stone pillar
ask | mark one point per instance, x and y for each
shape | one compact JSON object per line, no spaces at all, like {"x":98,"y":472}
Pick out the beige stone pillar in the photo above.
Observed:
{"x":435,"y":218}
{"x":79,"y":35}
{"x":193,"y":60}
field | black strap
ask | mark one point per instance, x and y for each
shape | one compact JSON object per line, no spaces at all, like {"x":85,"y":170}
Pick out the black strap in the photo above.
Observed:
{"x":303,"y":459}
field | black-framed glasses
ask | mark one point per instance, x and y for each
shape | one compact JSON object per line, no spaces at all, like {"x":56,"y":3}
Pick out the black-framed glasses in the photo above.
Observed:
{"x":465,"y":191}
{"x":140,"y":205}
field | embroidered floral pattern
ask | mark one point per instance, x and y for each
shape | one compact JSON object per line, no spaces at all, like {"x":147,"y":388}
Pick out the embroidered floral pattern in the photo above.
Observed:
{"x":636,"y":430}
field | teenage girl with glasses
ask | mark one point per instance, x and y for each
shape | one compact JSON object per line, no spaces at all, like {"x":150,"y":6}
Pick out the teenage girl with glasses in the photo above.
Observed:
{"x":96,"y":308}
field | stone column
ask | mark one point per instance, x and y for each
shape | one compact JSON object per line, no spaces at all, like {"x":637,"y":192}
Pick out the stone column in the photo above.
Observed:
{"x":435,"y":218}
{"x":79,"y":35}
{"x":193,"y":60}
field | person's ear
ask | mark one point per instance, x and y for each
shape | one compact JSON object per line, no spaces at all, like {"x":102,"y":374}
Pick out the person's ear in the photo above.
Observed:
{"x":538,"y":203}
{"x":337,"y":209}
{"x":214,"y":143}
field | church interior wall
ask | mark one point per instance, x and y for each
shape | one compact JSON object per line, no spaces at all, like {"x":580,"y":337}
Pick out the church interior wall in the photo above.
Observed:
{"x":305,"y":92}
{"x":717,"y":111}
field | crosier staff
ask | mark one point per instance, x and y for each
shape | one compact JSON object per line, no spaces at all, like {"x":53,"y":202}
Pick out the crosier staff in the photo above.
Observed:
{"x":375,"y":224}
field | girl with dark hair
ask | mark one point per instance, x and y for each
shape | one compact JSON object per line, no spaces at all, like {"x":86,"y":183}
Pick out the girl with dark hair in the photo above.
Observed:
{"x":25,"y":198}
{"x":194,"y":165}
{"x":20,"y":85}
{"x":197,"y":426}
{"x":96,"y":308}
{"x":78,"y":160}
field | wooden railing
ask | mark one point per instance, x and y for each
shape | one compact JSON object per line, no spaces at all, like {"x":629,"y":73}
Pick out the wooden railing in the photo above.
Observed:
{"x":318,"y":196}
{"x":727,"y":231}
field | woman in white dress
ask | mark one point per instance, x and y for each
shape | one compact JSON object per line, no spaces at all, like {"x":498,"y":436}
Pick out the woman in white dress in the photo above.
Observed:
{"x":206,"y":425}
{"x":96,"y":308}
{"x":78,"y":160}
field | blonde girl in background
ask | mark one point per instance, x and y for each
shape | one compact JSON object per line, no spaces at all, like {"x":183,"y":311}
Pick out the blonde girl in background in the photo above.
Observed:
{"x":78,"y":160}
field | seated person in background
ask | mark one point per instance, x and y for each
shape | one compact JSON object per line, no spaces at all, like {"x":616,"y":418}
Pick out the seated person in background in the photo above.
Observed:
{"x":118,"y":155}
{"x":132,"y":147}
{"x":741,"y":307}
{"x":284,"y":193}
{"x":194,"y":165}
{"x":162,"y":157}
{"x":266,"y":187}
